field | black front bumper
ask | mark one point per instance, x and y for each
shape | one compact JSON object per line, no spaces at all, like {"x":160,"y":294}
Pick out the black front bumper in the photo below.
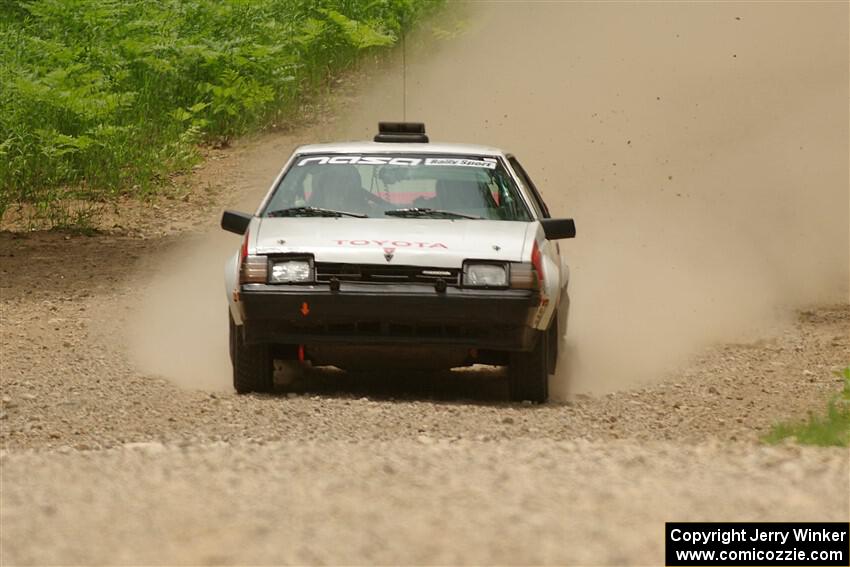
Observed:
{"x":389,"y":314}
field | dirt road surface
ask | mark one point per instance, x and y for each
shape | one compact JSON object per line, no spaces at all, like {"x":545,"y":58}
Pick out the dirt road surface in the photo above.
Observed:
{"x":702,"y":149}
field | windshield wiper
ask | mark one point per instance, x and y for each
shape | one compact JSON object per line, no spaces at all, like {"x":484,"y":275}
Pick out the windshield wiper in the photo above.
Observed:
{"x":426,"y":212}
{"x":312,"y":212}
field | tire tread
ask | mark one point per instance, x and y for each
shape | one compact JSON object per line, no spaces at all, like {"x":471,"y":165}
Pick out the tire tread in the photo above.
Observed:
{"x":528,"y":373}
{"x":253,"y":365}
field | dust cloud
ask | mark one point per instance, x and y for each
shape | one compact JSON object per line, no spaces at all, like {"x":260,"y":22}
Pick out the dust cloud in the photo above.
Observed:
{"x":178,"y":327}
{"x":701,"y":147}
{"x":180,"y":331}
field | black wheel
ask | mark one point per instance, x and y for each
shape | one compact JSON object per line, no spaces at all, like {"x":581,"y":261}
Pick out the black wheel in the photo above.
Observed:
{"x":253,"y":364}
{"x":554,"y":346}
{"x":528,"y":372}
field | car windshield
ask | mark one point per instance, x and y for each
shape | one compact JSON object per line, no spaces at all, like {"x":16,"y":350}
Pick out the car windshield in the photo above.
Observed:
{"x":400,"y":186}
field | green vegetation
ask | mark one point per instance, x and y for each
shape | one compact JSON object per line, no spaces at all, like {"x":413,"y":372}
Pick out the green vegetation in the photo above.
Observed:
{"x":832,"y":429}
{"x":102,"y":97}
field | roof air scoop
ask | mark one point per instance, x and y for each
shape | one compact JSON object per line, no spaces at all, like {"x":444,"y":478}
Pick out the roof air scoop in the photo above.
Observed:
{"x":401,"y":132}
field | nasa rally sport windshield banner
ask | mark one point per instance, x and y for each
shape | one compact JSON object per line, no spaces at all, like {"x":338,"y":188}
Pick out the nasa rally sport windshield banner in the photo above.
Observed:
{"x":486,"y":163}
{"x":757,"y":543}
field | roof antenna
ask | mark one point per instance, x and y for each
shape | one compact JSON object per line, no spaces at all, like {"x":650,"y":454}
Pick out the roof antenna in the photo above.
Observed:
{"x":403,"y":75}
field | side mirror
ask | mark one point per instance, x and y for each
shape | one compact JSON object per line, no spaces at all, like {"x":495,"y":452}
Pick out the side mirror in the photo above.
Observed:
{"x":556,"y":229}
{"x":234,"y":221}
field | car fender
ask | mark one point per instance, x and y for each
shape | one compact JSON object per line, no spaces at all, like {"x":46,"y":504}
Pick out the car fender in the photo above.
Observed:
{"x":554,"y":285}
{"x":551,"y":285}
{"x":231,"y":271}
{"x":231,"y":287}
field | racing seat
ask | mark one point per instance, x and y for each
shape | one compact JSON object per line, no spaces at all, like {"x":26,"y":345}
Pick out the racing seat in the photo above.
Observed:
{"x":458,"y":194}
{"x":337,"y":187}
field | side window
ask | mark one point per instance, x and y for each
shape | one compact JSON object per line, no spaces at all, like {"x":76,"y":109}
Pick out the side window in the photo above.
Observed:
{"x":535,"y":195}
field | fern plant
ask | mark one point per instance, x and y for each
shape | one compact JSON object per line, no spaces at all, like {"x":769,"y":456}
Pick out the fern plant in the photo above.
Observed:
{"x":103,"y":97}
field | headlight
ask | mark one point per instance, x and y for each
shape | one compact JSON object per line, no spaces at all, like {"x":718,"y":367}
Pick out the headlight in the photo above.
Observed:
{"x":294,"y":270}
{"x":485,"y":275}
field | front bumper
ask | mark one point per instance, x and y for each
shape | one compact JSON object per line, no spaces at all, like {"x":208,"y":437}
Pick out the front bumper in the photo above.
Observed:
{"x":388,"y":314}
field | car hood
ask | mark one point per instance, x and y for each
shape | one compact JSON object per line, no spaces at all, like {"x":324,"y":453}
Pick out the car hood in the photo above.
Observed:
{"x":422,"y":242}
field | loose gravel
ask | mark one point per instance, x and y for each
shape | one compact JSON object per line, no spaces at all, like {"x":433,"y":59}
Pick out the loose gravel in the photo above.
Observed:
{"x":422,"y":501}
{"x":101,"y":464}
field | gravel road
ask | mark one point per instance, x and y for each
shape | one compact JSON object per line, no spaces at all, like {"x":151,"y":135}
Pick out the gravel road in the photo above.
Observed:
{"x":106,"y":461}
{"x":429,"y":500}
{"x":104,"y":465}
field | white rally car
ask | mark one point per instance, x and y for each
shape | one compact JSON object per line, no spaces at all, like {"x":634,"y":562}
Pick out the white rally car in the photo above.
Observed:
{"x":399,"y":253}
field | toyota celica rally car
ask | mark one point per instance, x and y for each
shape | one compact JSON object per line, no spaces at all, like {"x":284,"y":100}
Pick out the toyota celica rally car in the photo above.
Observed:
{"x":399,"y":253}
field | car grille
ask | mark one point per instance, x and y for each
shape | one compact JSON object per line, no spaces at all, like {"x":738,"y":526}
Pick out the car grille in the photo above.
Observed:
{"x":371,"y":273}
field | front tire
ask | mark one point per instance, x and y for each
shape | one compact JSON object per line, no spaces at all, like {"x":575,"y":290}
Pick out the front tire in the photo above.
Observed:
{"x":253,"y":364}
{"x":528,"y":372}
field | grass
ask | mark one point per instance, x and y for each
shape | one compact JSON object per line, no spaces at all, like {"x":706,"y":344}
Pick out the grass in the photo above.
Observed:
{"x":106,"y":97}
{"x":829,"y":429}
